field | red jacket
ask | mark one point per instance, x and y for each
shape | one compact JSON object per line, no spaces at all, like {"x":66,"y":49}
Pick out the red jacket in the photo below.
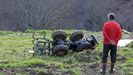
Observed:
{"x":112,"y":31}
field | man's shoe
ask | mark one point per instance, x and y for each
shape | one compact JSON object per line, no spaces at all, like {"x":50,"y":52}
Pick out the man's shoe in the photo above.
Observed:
{"x":102,"y":71}
{"x":112,"y":71}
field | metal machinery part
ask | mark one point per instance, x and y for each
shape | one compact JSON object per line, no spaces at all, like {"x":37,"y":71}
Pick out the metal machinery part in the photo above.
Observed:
{"x":59,"y":46}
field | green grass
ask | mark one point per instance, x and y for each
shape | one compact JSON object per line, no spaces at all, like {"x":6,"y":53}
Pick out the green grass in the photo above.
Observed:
{"x":15,"y":47}
{"x":127,"y":66}
{"x":131,"y":45}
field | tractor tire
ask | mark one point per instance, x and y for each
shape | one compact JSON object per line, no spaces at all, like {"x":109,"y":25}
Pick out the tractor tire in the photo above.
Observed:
{"x":60,"y":50}
{"x":59,"y":35}
{"x":85,"y":46}
{"x":76,"y":36}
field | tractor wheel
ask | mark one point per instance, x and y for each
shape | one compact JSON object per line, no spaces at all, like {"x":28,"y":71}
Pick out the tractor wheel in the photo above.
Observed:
{"x":85,"y":46}
{"x":76,"y":36}
{"x":60,"y":50}
{"x":59,"y":35}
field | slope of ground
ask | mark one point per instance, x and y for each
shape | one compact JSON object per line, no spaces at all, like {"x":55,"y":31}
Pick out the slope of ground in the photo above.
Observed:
{"x":15,"y":58}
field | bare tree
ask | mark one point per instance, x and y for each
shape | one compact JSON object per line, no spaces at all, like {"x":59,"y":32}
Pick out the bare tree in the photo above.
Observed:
{"x":51,"y":14}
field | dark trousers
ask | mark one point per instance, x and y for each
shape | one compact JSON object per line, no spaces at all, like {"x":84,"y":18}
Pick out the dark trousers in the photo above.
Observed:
{"x":113,"y":51}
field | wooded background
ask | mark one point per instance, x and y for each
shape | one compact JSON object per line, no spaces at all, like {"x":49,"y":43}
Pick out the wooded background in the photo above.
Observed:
{"x":19,"y":15}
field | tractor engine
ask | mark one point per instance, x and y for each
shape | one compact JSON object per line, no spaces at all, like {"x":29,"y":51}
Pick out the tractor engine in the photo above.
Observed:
{"x":79,"y":43}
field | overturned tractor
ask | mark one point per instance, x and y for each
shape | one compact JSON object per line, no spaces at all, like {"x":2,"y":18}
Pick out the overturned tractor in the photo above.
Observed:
{"x":60,"y":45}
{"x":79,"y":43}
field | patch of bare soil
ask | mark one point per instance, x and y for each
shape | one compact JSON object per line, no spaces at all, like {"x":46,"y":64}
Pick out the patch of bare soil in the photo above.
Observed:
{"x":32,"y":71}
{"x":94,"y":69}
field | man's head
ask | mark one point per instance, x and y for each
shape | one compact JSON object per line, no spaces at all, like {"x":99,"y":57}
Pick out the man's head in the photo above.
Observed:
{"x":111,"y":16}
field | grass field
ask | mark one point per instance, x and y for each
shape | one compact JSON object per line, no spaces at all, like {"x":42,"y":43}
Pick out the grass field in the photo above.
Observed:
{"x":15,"y":47}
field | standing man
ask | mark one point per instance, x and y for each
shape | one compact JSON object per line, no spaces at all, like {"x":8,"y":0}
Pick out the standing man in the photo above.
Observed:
{"x":112,"y":33}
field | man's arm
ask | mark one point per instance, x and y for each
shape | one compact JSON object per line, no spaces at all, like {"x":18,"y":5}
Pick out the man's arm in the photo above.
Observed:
{"x":105,"y":32}
{"x":119,"y":34}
